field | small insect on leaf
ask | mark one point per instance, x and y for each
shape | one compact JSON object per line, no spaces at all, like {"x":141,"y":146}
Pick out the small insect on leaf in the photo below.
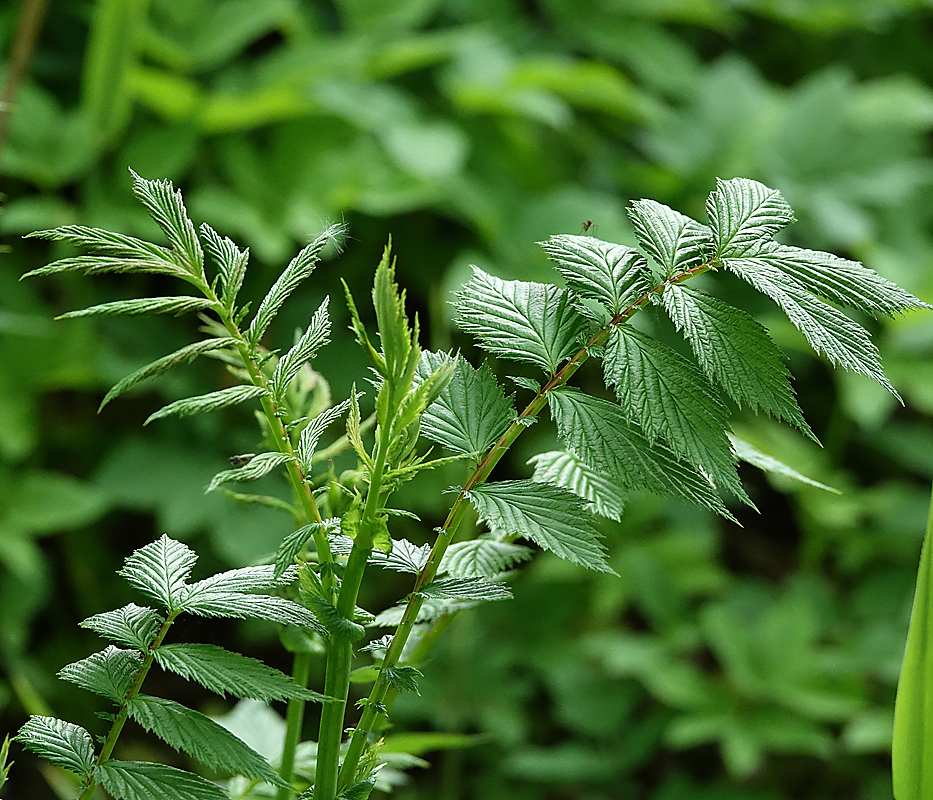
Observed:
{"x":241,"y":460}
{"x":587,"y":225}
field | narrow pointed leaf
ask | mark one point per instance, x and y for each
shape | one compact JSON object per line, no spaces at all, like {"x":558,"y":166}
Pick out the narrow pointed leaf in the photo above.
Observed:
{"x":184,"y":355}
{"x":166,"y":207}
{"x":465,"y":589}
{"x":132,"y":626}
{"x":212,"y":401}
{"x":242,"y":579}
{"x":252,"y":606}
{"x":547,"y":515}
{"x":109,"y":673}
{"x":736,"y":352}
{"x":743,"y":214}
{"x":563,"y":468}
{"x":145,"y":305}
{"x":122,"y":247}
{"x":391,"y":319}
{"x":98,"y":265}
{"x":295,"y":542}
{"x":521,"y":320}
{"x":314,"y":430}
{"x":224,"y":672}
{"x":253,"y":470}
{"x":337,"y":625}
{"x":160,"y":569}
{"x":613,"y":274}
{"x":230,"y":260}
{"x":470,"y":413}
{"x":143,"y":780}
{"x":314,"y":338}
{"x":60,"y":743}
{"x":754,"y":456}
{"x":482,"y":558}
{"x":598,"y":432}
{"x":676,"y":242}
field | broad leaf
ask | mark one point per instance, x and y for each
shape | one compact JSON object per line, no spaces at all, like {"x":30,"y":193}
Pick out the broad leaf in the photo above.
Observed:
{"x":184,"y":355}
{"x":465,"y":589}
{"x":60,"y":743}
{"x":336,"y":624}
{"x":252,"y":606}
{"x":671,"y":400}
{"x":564,"y":469}
{"x":212,"y":401}
{"x":547,"y":515}
{"x":744,"y":214}
{"x":403,"y":679}
{"x":736,"y":352}
{"x":520,"y":320}
{"x":613,"y":274}
{"x":314,"y":338}
{"x":224,"y":672}
{"x":143,"y":780}
{"x":109,"y":673}
{"x":243,"y":579}
{"x":471,"y":413}
{"x":676,"y":242}
{"x":482,"y":558}
{"x":752,"y":455}
{"x":598,"y":432}
{"x":230,"y":260}
{"x":257,"y":467}
{"x":146,"y":305}
{"x":200,"y":737}
{"x":404,"y":556}
{"x":132,"y":626}
{"x":166,"y":207}
{"x":160,"y":569}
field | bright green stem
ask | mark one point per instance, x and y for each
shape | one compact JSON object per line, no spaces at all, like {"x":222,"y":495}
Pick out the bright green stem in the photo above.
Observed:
{"x":294,"y":717}
{"x":377,"y":697}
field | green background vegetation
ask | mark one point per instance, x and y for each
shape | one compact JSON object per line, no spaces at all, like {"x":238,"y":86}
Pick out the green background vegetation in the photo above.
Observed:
{"x":724,"y":663}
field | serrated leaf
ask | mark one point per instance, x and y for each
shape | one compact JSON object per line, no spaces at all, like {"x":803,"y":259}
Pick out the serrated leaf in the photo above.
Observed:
{"x":166,"y":207}
{"x":482,"y":558}
{"x":598,"y":433}
{"x":60,"y":743}
{"x":312,"y":432}
{"x":224,"y":672}
{"x":430,"y":610}
{"x":736,"y":352}
{"x":844,"y":342}
{"x":257,"y":467}
{"x":565,"y":469}
{"x":145,"y":305}
{"x":98,"y":265}
{"x":298,"y":269}
{"x":212,"y":401}
{"x":133,"y":626}
{"x":252,"y":606}
{"x":143,"y":780}
{"x":403,"y":679}
{"x":520,"y":320}
{"x":395,"y":334}
{"x":305,"y":349}
{"x":470,"y":413}
{"x":669,"y":399}
{"x":754,"y":456}
{"x":404,"y":556}
{"x":109,"y":673}
{"x":160,"y":569}
{"x":547,"y":515}
{"x":243,"y":579}
{"x":184,"y":355}
{"x":613,"y":274}
{"x":293,"y":544}
{"x":230,"y":260}
{"x":358,"y":791}
{"x":676,"y":242}
{"x":744,"y":214}
{"x":465,"y":589}
{"x":336,"y":624}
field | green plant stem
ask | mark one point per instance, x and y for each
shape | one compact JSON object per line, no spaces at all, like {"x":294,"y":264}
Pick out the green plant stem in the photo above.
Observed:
{"x":375,"y":704}
{"x":294,"y":717}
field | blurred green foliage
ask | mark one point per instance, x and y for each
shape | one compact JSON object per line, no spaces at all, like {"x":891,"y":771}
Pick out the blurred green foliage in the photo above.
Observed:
{"x":724,"y":663}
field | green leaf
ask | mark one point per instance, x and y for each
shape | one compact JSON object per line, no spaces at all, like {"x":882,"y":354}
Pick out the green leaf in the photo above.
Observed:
{"x":257,"y":467}
{"x":403,"y":679}
{"x":520,"y":320}
{"x":212,"y":401}
{"x":465,"y":589}
{"x":145,"y":305}
{"x":912,"y":747}
{"x":482,"y":558}
{"x":230,"y":260}
{"x":60,"y":743}
{"x":402,"y":557}
{"x":243,"y":579}
{"x":109,"y":673}
{"x":337,"y":625}
{"x":675,"y":241}
{"x":391,"y":319}
{"x":298,"y":269}
{"x":312,"y":432}
{"x":223,"y":672}
{"x":599,"y":434}
{"x":829,"y":331}
{"x":613,"y":274}
{"x":763,"y":461}
{"x":200,"y":737}
{"x":252,"y":606}
{"x":133,"y":626}
{"x":744,"y":214}
{"x":470,"y":413}
{"x":671,"y":400}
{"x":160,"y":569}
{"x":547,"y":515}
{"x":314,"y":338}
{"x":736,"y":352}
{"x":293,"y":544}
{"x":358,"y":791}
{"x":98,"y":265}
{"x":142,"y":780}
{"x":184,"y":355}
{"x":166,"y":207}
{"x":565,"y":469}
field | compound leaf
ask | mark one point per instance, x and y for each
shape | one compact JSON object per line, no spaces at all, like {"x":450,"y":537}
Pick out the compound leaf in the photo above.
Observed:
{"x":563,"y":468}
{"x":143,"y":780}
{"x":312,"y":432}
{"x":160,"y":569}
{"x":675,"y":241}
{"x":212,"y":401}
{"x":482,"y":558}
{"x":145,"y":305}
{"x":744,"y":214}
{"x":465,"y":589}
{"x":166,"y":207}
{"x":133,"y":626}
{"x":230,"y":260}
{"x":60,"y":743}
{"x":109,"y":673}
{"x":314,"y":338}
{"x":254,"y":469}
{"x":520,"y":320}
{"x":547,"y":515}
